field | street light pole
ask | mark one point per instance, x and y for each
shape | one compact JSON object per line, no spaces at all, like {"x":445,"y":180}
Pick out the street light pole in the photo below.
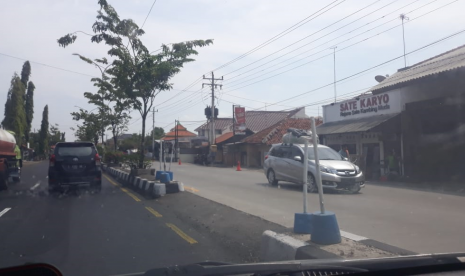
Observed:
{"x":334,"y":82}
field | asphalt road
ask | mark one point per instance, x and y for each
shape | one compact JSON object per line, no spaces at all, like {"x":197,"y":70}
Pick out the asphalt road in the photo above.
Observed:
{"x":118,"y":231}
{"x":418,"y":221}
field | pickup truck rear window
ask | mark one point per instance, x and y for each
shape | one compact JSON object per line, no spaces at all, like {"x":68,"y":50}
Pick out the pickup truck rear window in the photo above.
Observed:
{"x":74,"y":151}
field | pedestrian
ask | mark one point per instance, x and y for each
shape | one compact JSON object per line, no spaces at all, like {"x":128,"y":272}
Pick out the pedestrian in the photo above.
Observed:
{"x":18,"y":156}
{"x":393,"y":163}
{"x":344,"y":152}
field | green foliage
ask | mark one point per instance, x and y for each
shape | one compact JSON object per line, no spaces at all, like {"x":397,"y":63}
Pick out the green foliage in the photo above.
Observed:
{"x":15,"y":115}
{"x":132,"y":161}
{"x":43,"y":133}
{"x":55,"y":135}
{"x":91,"y":128}
{"x":29,"y":107}
{"x":136,"y":76}
{"x":115,"y":157}
{"x":25,"y":73}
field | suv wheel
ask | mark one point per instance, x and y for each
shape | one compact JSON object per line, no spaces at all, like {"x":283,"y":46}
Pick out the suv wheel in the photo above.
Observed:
{"x":311,"y":184}
{"x":272,"y":178}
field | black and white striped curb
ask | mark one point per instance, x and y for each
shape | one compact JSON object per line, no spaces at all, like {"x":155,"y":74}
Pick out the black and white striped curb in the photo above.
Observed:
{"x":282,"y":247}
{"x":148,"y":188}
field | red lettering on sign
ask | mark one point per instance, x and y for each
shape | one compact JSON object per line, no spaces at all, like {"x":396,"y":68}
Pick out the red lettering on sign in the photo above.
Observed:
{"x":342,"y":107}
{"x":354,"y":105}
{"x":380,"y":98}
{"x":386,"y":98}
{"x":368,"y":102}
{"x":362,"y":103}
{"x":373,"y":101}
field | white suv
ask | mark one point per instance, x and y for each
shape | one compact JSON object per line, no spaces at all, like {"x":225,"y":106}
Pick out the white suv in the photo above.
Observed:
{"x":285,"y":163}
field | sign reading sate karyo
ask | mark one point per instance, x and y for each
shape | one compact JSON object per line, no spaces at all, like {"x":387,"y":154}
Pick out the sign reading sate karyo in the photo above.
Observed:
{"x":367,"y":105}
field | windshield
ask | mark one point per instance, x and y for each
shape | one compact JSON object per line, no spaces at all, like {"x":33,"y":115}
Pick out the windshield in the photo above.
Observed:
{"x":324,"y":154}
{"x":137,"y":134}
{"x":74,"y":151}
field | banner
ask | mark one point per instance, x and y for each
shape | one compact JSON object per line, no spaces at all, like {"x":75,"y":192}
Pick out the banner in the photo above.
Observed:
{"x":239,"y":124}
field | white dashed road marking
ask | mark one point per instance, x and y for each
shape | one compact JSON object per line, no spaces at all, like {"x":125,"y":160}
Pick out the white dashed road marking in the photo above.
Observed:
{"x":35,"y":186}
{"x":4,"y":211}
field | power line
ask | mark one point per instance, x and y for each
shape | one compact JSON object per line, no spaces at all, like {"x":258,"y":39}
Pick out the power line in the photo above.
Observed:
{"x":360,"y":72}
{"x":276,"y":37}
{"x":363,"y":40}
{"x":153,"y":4}
{"x":46,"y":65}
{"x":289,"y":45}
{"x":283,"y":33}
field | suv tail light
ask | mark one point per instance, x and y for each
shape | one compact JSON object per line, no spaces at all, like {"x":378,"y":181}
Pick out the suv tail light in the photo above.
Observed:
{"x":266,"y":156}
{"x":97,"y":160}
{"x":52,"y":160}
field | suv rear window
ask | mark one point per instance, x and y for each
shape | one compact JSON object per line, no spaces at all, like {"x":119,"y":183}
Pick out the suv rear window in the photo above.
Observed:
{"x":74,"y":150}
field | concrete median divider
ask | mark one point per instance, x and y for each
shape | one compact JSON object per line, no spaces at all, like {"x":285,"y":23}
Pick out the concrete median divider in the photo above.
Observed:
{"x":148,"y":188}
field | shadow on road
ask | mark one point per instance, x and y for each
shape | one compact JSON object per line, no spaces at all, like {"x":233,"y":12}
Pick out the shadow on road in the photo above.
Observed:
{"x":298,"y":188}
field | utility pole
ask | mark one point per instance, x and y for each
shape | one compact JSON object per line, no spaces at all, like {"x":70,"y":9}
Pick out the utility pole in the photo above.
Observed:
{"x":212,"y":118}
{"x":403,"y":17}
{"x":153,"y":132}
{"x":334,"y":83}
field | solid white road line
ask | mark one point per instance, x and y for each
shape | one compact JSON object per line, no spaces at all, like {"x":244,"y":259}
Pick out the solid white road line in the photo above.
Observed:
{"x":4,"y":211}
{"x":351,"y":236}
{"x":35,"y":186}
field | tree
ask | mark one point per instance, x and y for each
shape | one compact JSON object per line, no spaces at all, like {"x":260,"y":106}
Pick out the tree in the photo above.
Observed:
{"x":135,"y":71}
{"x":15,"y":116}
{"x":29,"y":106}
{"x":55,"y":135}
{"x":91,"y":127}
{"x":43,"y":133}
{"x":25,"y":73}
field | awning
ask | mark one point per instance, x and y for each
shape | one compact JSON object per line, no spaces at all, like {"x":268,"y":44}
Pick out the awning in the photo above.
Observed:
{"x":353,"y":125}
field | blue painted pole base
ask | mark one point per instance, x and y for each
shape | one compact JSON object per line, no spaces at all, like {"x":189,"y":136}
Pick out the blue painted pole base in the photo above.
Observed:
{"x":325,"y":229}
{"x":158,"y":174}
{"x":171,"y":174}
{"x":165,"y":177}
{"x":302,"y":223}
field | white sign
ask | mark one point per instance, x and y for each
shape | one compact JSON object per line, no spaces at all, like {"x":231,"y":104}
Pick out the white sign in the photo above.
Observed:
{"x":363,"y":106}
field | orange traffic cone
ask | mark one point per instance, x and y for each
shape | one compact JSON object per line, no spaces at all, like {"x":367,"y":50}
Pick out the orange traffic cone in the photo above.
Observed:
{"x":238,"y":166}
{"x":179,"y":161}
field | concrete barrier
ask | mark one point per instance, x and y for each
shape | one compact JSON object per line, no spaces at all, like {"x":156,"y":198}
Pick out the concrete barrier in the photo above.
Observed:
{"x":281,"y":247}
{"x":159,"y":189}
{"x":136,"y":181}
{"x":174,"y":187}
{"x":142,"y":184}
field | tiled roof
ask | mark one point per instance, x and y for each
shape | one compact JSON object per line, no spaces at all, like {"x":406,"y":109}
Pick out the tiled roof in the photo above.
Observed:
{"x":224,"y":137}
{"x":220,"y":123}
{"x":182,"y":132}
{"x":447,"y":61}
{"x":255,"y":120}
{"x":274,"y":134}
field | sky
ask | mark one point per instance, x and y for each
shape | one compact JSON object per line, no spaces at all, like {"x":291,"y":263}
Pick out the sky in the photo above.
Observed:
{"x":272,"y":55}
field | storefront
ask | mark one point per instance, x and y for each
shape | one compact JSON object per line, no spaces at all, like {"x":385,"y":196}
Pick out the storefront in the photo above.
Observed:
{"x":369,"y":126}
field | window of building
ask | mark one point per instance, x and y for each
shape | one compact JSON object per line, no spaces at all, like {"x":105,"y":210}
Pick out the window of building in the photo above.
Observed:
{"x":218,"y":131}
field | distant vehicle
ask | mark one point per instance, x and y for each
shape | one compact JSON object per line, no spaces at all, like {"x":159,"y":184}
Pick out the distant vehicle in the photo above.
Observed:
{"x":74,"y":164}
{"x":8,"y":163}
{"x":285,"y":163}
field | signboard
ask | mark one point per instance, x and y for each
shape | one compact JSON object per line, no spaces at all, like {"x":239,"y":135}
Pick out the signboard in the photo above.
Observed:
{"x":239,"y":124}
{"x":363,"y":106}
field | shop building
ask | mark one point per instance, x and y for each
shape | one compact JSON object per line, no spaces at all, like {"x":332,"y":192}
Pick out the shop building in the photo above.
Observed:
{"x":418,"y":112}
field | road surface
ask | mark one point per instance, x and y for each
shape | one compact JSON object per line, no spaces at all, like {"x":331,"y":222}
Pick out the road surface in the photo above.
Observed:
{"x":418,"y":221}
{"x":118,"y":231}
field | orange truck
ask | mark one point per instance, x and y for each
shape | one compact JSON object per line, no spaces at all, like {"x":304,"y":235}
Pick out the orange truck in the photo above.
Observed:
{"x":9,"y":167}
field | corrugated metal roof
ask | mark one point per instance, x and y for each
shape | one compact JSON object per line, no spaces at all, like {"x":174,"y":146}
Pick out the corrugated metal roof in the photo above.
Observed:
{"x":353,"y":125}
{"x":220,"y":123}
{"x":255,"y":120}
{"x":224,"y":137}
{"x":447,"y":61}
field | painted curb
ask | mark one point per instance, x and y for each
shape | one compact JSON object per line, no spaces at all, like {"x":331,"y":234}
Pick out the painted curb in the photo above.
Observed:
{"x":145,"y":187}
{"x":281,"y":247}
